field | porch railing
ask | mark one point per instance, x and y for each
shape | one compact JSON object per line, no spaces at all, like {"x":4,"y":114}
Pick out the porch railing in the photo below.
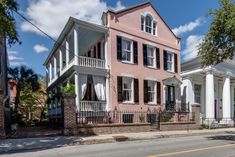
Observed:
{"x":91,"y":62}
{"x":92,"y":106}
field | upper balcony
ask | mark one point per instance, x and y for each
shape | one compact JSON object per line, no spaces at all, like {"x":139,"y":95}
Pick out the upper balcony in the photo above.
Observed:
{"x":81,"y":44}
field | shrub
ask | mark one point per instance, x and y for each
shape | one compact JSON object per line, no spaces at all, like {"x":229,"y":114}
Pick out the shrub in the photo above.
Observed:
{"x":69,"y":89}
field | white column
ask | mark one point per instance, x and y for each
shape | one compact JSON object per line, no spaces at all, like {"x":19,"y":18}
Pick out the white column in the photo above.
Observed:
{"x":55,"y":67}
{"x":61,"y":61}
{"x":77,"y":90}
{"x":107,"y":94}
{"x":75,"y":45}
{"x":50,"y":72}
{"x":210,"y":97}
{"x":67,"y":52}
{"x":106,"y":51}
{"x":187,"y":91}
{"x":226,"y":101}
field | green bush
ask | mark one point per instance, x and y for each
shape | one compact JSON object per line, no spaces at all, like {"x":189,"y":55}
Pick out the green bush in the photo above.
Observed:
{"x":204,"y":126}
{"x":69,"y":89}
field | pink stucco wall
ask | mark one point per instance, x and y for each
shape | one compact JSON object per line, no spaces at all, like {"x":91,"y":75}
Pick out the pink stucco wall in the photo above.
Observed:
{"x":128,"y":23}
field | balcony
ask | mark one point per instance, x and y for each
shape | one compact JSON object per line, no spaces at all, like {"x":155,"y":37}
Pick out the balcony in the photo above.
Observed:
{"x":91,"y":62}
{"x":92,"y":106}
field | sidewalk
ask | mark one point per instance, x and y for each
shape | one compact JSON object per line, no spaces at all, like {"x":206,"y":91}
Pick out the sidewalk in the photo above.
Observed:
{"x":41,"y":143}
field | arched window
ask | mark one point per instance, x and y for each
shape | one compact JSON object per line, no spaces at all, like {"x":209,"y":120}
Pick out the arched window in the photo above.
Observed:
{"x":148,"y":24}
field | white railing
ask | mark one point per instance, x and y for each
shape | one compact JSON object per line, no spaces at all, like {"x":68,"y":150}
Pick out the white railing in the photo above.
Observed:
{"x":92,"y":106}
{"x":91,"y":62}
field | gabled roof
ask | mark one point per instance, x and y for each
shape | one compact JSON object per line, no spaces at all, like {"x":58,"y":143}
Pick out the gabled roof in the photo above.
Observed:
{"x":172,"y":81}
{"x":139,"y":5}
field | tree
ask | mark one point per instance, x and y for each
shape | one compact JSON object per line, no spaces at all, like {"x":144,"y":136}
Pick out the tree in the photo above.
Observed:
{"x":219,"y":43}
{"x":7,"y":21}
{"x":24,"y":77}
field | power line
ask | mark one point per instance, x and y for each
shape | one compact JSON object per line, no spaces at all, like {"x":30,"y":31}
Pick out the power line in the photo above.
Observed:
{"x":39,"y":29}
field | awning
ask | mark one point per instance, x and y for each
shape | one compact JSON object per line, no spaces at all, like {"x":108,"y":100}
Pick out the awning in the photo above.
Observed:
{"x":172,"y":81}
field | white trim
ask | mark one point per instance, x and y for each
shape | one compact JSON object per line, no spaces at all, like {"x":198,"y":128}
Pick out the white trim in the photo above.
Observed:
{"x":124,"y":35}
{"x":150,"y":79}
{"x":150,"y":43}
{"x":127,"y":75}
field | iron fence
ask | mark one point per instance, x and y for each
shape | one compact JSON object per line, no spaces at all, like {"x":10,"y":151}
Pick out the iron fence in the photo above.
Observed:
{"x":116,"y":117}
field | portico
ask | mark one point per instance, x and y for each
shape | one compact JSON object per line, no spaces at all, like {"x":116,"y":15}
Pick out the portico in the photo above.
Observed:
{"x":213,"y":88}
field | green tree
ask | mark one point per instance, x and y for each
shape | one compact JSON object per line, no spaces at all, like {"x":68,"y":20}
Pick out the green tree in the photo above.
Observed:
{"x":219,"y":43}
{"x":7,"y":21}
{"x":23,"y":77}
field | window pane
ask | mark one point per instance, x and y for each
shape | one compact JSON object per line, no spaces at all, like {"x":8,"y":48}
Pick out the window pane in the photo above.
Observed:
{"x":197,"y":93}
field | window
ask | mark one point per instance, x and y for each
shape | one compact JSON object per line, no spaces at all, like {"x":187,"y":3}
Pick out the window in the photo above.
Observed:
{"x":127,"y":118}
{"x":150,"y":56}
{"x":126,"y":50}
{"x":151,"y":92}
{"x":169,"y":62}
{"x":127,"y":87}
{"x":197,"y":93}
{"x":148,"y":24}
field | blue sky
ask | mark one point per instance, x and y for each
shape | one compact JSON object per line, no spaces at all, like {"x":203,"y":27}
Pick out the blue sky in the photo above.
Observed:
{"x":186,"y":17}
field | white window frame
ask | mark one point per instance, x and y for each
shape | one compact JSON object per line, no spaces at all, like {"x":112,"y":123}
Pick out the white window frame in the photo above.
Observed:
{"x":131,"y":90}
{"x":154,"y":92}
{"x":143,"y":25}
{"x":172,"y":61}
{"x":128,"y":51}
{"x":151,"y":57}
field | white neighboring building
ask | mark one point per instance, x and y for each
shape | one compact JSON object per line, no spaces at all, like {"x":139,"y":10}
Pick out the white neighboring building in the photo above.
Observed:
{"x":212,"y":87}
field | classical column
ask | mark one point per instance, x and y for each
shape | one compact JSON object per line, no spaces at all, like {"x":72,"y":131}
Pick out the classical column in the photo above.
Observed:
{"x":55,"y":67}
{"x":187,"y":92}
{"x":75,"y":45}
{"x":77,"y":90}
{"x":50,"y":71}
{"x":61,"y":61}
{"x":226,"y":100}
{"x":210,"y":97}
{"x":106,"y":50}
{"x":67,"y":52}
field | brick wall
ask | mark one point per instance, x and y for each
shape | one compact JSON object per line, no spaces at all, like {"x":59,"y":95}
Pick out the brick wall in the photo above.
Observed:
{"x":2,"y":119}
{"x":69,"y":113}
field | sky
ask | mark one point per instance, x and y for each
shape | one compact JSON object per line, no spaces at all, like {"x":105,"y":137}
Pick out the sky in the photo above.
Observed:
{"x":187,"y":18}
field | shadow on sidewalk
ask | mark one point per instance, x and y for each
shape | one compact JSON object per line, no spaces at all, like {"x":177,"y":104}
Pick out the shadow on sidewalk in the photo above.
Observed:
{"x":9,"y":146}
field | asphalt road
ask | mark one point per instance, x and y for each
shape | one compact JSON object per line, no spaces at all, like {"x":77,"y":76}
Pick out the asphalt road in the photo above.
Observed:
{"x":194,"y":146}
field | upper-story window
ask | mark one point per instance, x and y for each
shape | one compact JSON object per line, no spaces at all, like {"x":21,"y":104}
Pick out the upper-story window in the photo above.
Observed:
{"x":148,"y":24}
{"x":151,"y":56}
{"x":170,"y":61}
{"x":127,"y":50}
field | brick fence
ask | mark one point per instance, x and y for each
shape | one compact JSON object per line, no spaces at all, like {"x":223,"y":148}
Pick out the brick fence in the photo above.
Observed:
{"x":71,"y":127}
{"x":2,"y":118}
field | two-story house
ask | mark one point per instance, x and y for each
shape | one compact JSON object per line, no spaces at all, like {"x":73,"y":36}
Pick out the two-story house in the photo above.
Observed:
{"x":130,"y":62}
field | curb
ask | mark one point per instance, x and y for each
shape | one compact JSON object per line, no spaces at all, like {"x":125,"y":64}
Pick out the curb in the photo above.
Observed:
{"x":113,"y":139}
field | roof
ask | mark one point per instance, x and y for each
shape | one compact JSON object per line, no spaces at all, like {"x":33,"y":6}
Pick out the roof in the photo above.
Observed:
{"x":172,"y":81}
{"x":139,"y":5}
{"x":68,"y":27}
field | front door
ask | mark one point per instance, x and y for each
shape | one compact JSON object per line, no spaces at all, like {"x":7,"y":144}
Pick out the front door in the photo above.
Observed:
{"x":170,"y":104}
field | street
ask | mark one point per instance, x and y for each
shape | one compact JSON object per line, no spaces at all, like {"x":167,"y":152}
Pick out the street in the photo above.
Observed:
{"x":193,"y":146}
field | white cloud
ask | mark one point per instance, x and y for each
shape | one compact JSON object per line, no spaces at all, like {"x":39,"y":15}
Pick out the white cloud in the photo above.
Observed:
{"x":191,"y":49}
{"x":40,"y":48}
{"x":188,"y":27}
{"x":52,"y":15}
{"x":14,"y":59}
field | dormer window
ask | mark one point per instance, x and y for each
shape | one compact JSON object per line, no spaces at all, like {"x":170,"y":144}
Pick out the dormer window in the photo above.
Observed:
{"x":148,"y":24}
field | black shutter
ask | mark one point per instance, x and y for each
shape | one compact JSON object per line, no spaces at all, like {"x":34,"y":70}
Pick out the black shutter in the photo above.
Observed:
{"x":176,"y":62}
{"x":158,"y":58}
{"x":136,"y":90}
{"x":119,"y":48}
{"x":145,"y":91}
{"x":165,"y":59}
{"x":158,"y":92}
{"x":145,"y":59}
{"x":135,"y":47}
{"x":119,"y":88}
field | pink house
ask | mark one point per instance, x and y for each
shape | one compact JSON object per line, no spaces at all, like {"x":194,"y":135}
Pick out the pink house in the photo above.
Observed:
{"x":130,"y":62}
